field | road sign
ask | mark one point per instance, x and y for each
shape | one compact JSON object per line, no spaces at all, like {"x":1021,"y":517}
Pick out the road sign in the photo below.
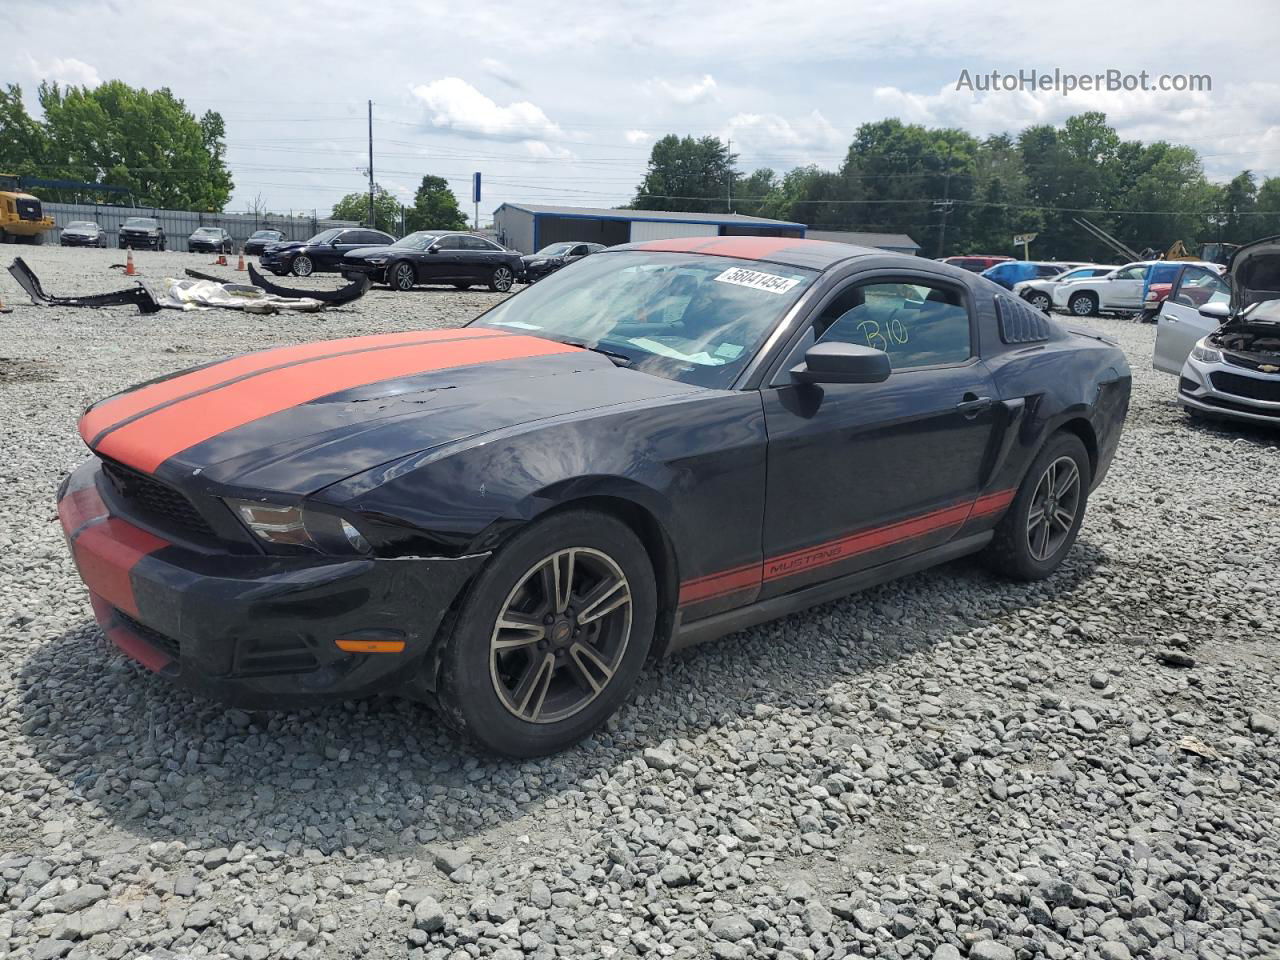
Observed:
{"x":475,"y":187}
{"x":1020,"y":238}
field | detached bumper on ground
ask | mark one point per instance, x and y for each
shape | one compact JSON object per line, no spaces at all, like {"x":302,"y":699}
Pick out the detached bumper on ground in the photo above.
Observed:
{"x":256,"y":631}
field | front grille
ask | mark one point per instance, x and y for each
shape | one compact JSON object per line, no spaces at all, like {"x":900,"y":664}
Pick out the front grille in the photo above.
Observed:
{"x":164,"y":644}
{"x":1254,"y":389}
{"x":157,"y":502}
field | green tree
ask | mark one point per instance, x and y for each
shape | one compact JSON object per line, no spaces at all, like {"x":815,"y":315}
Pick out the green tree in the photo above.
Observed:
{"x":23,"y":143}
{"x":144,"y":140}
{"x":355,"y":206}
{"x":687,"y":174}
{"x":435,"y":207}
{"x":1268,"y":205}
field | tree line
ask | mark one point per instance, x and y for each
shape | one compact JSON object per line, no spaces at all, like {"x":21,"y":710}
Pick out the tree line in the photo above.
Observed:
{"x":145,"y":141}
{"x":954,"y":193}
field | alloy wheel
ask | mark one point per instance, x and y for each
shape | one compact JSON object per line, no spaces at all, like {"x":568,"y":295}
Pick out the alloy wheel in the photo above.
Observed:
{"x":561,"y":635}
{"x":1053,"y":508}
{"x":404,"y":276}
{"x":1041,"y":302}
{"x":502,"y":279}
{"x":1082,"y":306}
{"x":302,"y":266}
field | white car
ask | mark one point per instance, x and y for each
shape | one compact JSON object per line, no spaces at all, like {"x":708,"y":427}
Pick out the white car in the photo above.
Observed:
{"x":1223,"y":340}
{"x":1119,"y":291}
{"x":1039,"y":292}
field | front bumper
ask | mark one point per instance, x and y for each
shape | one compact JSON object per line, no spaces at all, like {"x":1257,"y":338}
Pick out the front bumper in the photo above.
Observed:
{"x":277,"y":261}
{"x":76,"y":240}
{"x":256,"y":631}
{"x":138,"y":240}
{"x":531,"y":272}
{"x":203,"y":246}
{"x":355,"y":269}
{"x":1226,"y":390}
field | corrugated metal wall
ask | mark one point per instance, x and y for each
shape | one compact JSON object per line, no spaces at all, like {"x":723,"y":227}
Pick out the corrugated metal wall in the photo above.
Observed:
{"x":514,"y":228}
{"x":179,"y":224}
{"x":651,"y":230}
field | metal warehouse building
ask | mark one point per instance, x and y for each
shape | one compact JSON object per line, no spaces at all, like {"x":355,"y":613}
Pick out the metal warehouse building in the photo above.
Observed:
{"x":529,"y":227}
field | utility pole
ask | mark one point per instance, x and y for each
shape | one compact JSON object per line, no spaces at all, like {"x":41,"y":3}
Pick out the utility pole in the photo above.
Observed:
{"x":730,"y":152}
{"x":372,"y":223}
{"x":944,"y":205}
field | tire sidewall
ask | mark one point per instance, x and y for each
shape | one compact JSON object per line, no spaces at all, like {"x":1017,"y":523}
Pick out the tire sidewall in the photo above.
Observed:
{"x":1015,"y":521}
{"x":466,"y":688}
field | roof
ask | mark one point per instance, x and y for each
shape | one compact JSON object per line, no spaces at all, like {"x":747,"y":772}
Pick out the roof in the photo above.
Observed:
{"x":895,"y":241}
{"x":792,"y":251}
{"x":675,"y":216}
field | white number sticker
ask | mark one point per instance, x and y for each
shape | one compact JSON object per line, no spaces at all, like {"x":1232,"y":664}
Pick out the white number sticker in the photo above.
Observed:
{"x":756,"y":280}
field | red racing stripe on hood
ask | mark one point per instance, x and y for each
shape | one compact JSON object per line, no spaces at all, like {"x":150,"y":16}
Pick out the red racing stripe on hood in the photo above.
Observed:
{"x":148,"y":441}
{"x":115,"y":410}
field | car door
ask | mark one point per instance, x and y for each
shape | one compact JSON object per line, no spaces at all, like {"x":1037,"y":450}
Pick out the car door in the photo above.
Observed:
{"x":862,"y":474}
{"x":1123,"y":289}
{"x":479,"y":257}
{"x":1179,"y":323}
{"x":443,"y":260}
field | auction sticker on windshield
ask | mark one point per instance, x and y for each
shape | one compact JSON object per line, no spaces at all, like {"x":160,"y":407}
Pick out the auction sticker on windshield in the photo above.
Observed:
{"x":756,"y":280}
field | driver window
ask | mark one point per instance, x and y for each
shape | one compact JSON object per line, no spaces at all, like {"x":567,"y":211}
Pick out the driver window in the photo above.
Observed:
{"x":917,"y":324}
{"x":449,"y":243}
{"x":1199,"y":286}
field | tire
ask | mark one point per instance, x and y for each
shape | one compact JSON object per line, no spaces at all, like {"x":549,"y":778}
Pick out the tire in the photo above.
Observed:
{"x":1083,"y":305}
{"x":502,"y":279}
{"x":1014,"y":552}
{"x":401,"y":276}
{"x":480,"y":689}
{"x":462,"y":286}
{"x":1040,"y":300}
{"x":302,"y":266}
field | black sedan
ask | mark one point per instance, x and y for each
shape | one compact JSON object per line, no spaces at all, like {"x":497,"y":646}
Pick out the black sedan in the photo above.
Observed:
{"x":322,"y":253}
{"x":554,"y":256}
{"x":211,"y":240}
{"x":142,"y":233}
{"x":83,"y":233}
{"x":259,"y":240}
{"x":671,"y":441}
{"x":456,"y":259}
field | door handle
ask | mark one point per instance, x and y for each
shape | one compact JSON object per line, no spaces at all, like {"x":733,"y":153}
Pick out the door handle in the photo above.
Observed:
{"x":971,"y":405}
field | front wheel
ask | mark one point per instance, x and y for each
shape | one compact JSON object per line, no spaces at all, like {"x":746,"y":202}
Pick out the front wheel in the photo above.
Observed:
{"x":402,"y":276}
{"x":551,"y":637}
{"x":1034,"y":537}
{"x":502,"y":279}
{"x":302,"y":266}
{"x":1083,"y":305}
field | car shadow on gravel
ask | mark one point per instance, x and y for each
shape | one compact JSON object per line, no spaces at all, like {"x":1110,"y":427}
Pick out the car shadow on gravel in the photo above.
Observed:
{"x":381,"y":777}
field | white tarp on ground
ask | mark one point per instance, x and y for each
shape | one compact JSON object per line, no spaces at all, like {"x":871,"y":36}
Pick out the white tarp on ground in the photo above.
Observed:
{"x":206,"y":294}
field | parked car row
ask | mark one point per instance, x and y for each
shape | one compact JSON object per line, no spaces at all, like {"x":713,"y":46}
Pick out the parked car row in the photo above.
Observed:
{"x":146,"y":233}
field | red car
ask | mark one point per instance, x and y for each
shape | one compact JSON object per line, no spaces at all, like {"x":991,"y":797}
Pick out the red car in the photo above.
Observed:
{"x":977,"y":262}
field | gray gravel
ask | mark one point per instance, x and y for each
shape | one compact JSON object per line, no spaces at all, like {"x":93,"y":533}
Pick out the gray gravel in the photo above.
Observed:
{"x":944,"y":767}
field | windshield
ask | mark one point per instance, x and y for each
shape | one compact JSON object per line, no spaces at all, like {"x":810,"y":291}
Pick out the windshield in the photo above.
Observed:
{"x":324,"y":236}
{"x":696,"y":319}
{"x":81,"y":225}
{"x":554,"y":250}
{"x":206,"y":232}
{"x":139,"y":222}
{"x":265,"y":234}
{"x":417,"y":241}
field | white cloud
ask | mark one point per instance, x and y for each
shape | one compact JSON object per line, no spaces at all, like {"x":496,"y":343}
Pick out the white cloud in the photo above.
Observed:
{"x":782,"y":142}
{"x":693,"y":91}
{"x":638,"y":136}
{"x":539,"y":148}
{"x":454,"y":104}
{"x":66,"y":71}
{"x":500,"y":72}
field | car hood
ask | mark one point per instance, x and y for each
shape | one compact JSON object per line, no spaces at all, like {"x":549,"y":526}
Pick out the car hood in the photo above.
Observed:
{"x":297,"y":419}
{"x":78,"y":231}
{"x":139,"y":229}
{"x":360,"y":253}
{"x":1255,"y":274}
{"x":281,"y":246}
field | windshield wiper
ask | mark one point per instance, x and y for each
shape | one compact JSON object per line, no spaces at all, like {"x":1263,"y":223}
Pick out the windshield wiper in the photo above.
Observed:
{"x":619,"y":359}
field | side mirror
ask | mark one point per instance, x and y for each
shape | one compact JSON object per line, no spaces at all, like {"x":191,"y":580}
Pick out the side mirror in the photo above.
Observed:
{"x":842,"y":363}
{"x":433,"y":249}
{"x":1216,"y":311}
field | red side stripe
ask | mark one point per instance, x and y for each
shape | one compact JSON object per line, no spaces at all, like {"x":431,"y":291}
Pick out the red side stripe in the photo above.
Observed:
{"x":122,"y":406}
{"x":718,"y":585}
{"x":149,"y":441}
{"x":106,"y":553}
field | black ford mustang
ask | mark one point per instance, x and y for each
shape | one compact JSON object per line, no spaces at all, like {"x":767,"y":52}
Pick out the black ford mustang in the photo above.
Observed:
{"x":673,"y":440}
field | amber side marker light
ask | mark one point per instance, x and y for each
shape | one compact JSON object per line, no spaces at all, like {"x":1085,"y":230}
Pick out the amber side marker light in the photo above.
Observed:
{"x":370,"y":646}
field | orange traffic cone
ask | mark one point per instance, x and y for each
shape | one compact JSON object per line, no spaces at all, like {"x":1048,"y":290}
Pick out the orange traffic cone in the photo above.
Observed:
{"x":129,"y":270}
{"x":222,"y":259}
{"x":240,"y":265}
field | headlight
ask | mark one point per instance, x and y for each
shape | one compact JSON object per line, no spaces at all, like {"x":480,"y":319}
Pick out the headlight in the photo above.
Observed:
{"x":1206,"y":354}
{"x":298,"y":527}
{"x":376,"y":261}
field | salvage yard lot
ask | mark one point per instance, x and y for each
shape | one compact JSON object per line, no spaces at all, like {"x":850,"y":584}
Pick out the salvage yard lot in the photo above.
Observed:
{"x":948,"y":761}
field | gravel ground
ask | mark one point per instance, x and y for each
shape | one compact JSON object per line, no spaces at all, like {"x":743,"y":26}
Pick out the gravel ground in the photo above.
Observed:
{"x":943,"y":767}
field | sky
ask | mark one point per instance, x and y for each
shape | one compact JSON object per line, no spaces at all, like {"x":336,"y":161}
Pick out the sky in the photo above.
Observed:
{"x":560,"y":102}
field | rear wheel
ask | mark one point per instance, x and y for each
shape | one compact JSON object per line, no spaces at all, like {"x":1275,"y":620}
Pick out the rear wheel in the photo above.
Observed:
{"x":1083,"y":305}
{"x":551,"y":637}
{"x":402,"y":276}
{"x":502,"y":279}
{"x":302,"y":266}
{"x":1040,"y":300}
{"x":1034,"y":537}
